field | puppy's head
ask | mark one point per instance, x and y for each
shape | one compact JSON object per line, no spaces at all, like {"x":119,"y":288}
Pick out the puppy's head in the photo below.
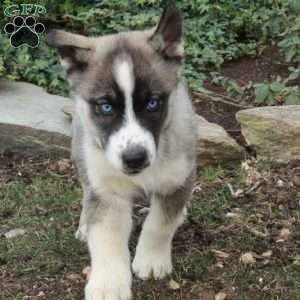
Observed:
{"x":122,"y":85}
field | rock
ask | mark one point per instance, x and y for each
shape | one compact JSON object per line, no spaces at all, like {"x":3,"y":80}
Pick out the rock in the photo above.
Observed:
{"x":14,"y":233}
{"x":273,"y":131}
{"x":32,"y":121}
{"x":69,"y":111}
{"x":215,"y":146}
{"x":35,"y":122}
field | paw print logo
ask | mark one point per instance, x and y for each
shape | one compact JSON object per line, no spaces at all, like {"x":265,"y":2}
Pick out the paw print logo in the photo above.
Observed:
{"x":24,"y":31}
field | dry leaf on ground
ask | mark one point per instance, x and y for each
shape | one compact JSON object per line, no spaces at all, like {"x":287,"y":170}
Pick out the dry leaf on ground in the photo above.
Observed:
{"x":220,"y":254}
{"x":87,"y":272}
{"x":247,"y":258}
{"x":173,"y":285}
{"x":220,"y":296}
{"x":284,"y":233}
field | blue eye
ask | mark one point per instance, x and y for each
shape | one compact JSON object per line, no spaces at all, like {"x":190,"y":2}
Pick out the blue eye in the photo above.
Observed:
{"x":104,"y":108}
{"x":153,"y":104}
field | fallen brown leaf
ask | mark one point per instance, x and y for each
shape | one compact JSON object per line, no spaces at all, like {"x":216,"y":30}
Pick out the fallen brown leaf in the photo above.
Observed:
{"x":220,"y":254}
{"x":284,"y":234}
{"x":173,"y":285}
{"x":247,"y":258}
{"x":87,"y":272}
{"x":220,"y":296}
{"x":267,"y":254}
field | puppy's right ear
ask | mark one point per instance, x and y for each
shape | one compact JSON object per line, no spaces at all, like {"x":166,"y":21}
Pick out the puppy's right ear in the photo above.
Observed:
{"x":167,"y":38}
{"x":74,"y":49}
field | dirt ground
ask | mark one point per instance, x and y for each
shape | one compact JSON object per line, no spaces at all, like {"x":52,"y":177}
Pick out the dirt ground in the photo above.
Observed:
{"x":241,"y":237}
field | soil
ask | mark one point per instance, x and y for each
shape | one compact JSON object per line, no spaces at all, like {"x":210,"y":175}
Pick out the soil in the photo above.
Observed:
{"x":270,"y":208}
{"x":13,"y":166}
{"x":266,"y":66}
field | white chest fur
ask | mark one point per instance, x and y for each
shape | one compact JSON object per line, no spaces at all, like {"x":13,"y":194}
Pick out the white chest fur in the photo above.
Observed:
{"x":162,"y":176}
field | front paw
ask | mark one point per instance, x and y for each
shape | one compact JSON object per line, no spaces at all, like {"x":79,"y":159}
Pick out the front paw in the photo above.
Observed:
{"x":149,"y":263}
{"x":109,"y":286}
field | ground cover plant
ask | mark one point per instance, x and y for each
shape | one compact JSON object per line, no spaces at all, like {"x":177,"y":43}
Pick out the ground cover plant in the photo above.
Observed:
{"x":216,"y":32}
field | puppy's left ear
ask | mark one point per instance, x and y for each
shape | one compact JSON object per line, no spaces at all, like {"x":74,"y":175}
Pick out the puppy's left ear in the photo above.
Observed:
{"x":167,"y":39}
{"x":75,"y":51}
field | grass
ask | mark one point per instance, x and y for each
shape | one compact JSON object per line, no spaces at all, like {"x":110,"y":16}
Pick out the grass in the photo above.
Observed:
{"x":47,"y":261}
{"x":47,"y":209}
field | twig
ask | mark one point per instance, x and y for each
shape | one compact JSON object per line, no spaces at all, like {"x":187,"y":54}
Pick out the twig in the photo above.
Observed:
{"x":256,"y":232}
{"x":220,"y":99}
{"x":235,"y":194}
{"x":56,"y":175}
{"x":231,"y":190}
{"x":253,"y":188}
{"x":240,"y":192}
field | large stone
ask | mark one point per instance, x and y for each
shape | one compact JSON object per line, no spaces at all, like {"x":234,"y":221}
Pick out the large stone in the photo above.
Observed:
{"x":215,"y":146}
{"x":32,"y":121}
{"x":273,"y":131}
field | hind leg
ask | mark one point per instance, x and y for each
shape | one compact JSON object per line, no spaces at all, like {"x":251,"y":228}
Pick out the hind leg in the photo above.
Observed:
{"x":153,"y":253}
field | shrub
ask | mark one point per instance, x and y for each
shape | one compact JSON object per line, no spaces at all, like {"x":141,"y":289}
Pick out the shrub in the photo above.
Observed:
{"x":215,"y":31}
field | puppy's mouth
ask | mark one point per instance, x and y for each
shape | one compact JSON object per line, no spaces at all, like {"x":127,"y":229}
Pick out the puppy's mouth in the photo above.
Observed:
{"x":136,"y":171}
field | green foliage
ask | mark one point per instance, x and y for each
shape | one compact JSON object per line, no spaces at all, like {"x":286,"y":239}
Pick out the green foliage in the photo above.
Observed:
{"x":215,"y":31}
{"x":276,"y":92}
{"x":211,"y":174}
{"x":290,"y":42}
{"x":39,"y":66}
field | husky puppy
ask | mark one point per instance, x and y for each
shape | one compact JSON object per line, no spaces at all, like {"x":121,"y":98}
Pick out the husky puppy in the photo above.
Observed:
{"x":134,"y":134}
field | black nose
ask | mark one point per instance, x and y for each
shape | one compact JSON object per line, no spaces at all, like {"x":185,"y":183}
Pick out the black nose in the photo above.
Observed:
{"x":135,"y":159}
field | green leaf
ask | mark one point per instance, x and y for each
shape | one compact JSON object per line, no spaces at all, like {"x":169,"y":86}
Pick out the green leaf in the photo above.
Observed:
{"x":261,"y":93}
{"x":295,"y":74}
{"x":290,"y":54}
{"x":277,"y":87}
{"x":292,"y":99}
{"x":270,"y":99}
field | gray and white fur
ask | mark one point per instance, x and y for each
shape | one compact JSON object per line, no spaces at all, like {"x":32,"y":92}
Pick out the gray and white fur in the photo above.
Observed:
{"x":134,"y":135}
